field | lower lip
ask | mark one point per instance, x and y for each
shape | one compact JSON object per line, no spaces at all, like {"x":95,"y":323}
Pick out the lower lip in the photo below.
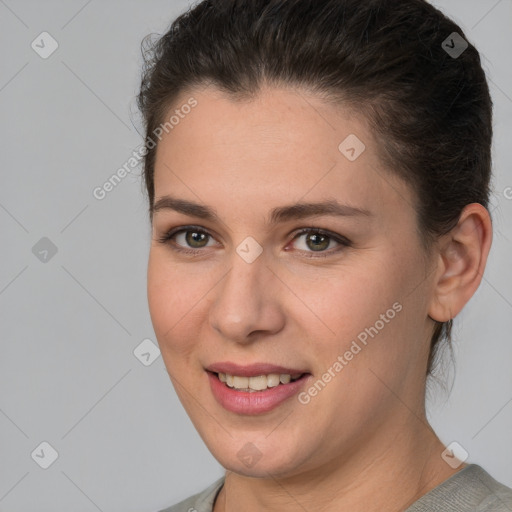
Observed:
{"x":258,"y":402}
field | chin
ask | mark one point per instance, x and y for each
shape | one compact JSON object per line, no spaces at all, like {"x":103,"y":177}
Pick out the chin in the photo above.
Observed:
{"x":259,"y":470}
{"x":251,"y":461}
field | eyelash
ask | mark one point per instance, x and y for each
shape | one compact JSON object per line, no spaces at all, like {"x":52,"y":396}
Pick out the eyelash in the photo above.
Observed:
{"x":168,"y":237}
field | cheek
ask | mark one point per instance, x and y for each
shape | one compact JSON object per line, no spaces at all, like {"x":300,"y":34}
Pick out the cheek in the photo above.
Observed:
{"x":171,"y":299}
{"x":348,"y":300}
{"x":368,"y":354}
{"x":363,"y":312}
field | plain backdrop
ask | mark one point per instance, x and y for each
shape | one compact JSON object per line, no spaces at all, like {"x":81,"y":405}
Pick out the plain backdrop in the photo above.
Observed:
{"x":73,"y":306}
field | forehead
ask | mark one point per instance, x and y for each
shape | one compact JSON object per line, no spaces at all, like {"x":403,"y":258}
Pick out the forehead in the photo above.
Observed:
{"x":285,"y":144}
{"x":279,"y":119}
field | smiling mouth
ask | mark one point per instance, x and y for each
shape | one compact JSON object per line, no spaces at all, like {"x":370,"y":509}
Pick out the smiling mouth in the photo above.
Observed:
{"x":257,"y":383}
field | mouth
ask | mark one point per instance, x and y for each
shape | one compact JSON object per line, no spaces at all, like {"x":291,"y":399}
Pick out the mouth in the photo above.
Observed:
{"x":257,"y":383}
{"x":255,"y":394}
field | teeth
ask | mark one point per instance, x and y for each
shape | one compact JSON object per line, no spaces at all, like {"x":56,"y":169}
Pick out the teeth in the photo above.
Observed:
{"x":259,"y":383}
{"x":240,"y":382}
{"x":273,"y":380}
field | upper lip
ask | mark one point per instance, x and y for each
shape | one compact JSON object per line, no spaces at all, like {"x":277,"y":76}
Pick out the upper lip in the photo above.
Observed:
{"x":252,"y":370}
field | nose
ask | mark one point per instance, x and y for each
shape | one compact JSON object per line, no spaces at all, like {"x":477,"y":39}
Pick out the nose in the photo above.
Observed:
{"x":246,"y":303}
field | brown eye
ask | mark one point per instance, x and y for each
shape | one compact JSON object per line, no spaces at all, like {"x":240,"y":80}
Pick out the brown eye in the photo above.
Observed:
{"x":196,"y":239}
{"x":186,"y":239}
{"x":318,"y":241}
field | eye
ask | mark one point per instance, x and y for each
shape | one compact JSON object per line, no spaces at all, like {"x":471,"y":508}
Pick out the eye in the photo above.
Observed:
{"x":191,"y":237}
{"x":318,"y":241}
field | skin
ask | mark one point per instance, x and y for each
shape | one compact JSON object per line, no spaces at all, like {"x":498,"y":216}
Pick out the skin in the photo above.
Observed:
{"x":363,"y":443}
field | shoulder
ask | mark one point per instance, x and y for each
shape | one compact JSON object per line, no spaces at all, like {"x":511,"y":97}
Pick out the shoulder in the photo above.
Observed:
{"x":472,"y":489}
{"x":200,"y":502}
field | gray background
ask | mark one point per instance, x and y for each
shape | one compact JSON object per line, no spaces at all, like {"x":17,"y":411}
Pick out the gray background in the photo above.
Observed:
{"x":69,"y":326}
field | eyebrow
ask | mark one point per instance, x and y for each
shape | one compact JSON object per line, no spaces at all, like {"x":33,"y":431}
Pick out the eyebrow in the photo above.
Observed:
{"x":277,"y":215}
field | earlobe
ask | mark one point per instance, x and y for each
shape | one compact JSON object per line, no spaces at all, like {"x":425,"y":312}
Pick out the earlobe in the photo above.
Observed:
{"x":462,"y":259}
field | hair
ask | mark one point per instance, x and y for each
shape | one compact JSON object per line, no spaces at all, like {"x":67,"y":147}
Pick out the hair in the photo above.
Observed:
{"x":430,"y":112}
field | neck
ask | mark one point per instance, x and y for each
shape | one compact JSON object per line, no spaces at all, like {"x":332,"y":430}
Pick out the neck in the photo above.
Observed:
{"x":387,"y":474}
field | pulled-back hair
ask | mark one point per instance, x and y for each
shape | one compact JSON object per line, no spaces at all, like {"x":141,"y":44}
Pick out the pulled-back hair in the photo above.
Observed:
{"x":430,"y":110}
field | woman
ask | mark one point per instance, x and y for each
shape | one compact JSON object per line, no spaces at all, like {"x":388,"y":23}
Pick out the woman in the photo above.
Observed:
{"x":318,"y":181}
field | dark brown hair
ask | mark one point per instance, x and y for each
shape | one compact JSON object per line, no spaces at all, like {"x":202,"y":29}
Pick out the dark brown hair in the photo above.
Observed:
{"x":430,"y":111}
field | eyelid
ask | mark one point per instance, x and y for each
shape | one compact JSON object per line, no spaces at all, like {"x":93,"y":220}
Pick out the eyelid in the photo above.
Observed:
{"x":313,"y":229}
{"x":168,"y":236}
{"x":342,"y":241}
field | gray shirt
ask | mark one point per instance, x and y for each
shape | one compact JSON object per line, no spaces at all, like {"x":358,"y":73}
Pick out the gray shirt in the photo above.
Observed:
{"x":471,"y":489}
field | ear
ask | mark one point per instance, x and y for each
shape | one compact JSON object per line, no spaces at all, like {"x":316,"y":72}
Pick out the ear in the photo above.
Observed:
{"x":462,"y":259}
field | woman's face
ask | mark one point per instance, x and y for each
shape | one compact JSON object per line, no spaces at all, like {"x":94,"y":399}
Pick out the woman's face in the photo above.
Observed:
{"x":348,"y":308}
